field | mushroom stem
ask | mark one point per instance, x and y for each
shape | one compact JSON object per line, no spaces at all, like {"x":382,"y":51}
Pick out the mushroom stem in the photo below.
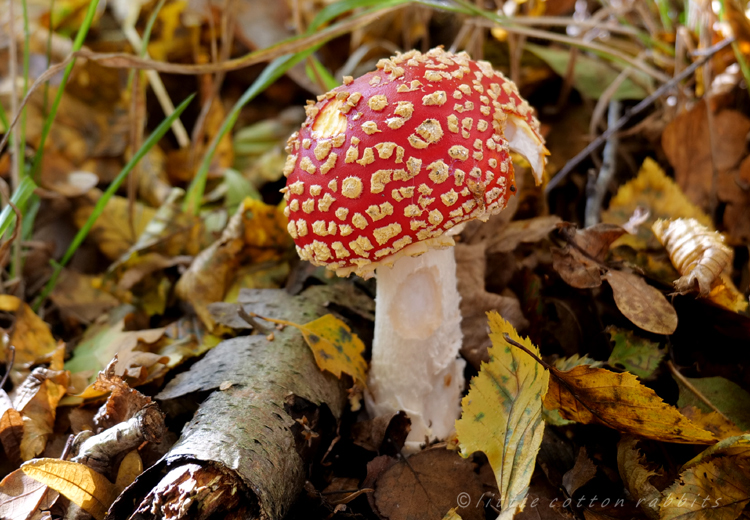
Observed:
{"x":415,"y":365}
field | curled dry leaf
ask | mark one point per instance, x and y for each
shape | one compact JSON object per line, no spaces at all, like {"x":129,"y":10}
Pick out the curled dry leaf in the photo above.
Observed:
{"x":581,"y":261}
{"x":583,"y":471}
{"x":11,"y":428}
{"x":737,"y":447}
{"x":642,"y":304}
{"x":635,"y":476}
{"x":597,"y":396}
{"x":502,"y":414}
{"x":699,"y":254}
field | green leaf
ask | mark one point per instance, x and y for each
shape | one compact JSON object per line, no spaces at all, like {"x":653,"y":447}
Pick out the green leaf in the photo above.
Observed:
{"x":502,"y":414}
{"x":634,"y":354}
{"x":238,"y":187}
{"x":592,"y":76}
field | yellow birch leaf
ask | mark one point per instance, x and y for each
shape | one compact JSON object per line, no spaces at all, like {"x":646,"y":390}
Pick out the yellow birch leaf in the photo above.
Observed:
{"x":502,"y":414}
{"x":130,"y":467}
{"x":713,"y":422}
{"x":715,"y":490}
{"x":598,"y":396}
{"x":335,"y":347}
{"x":737,"y":447}
{"x":78,"y":483}
{"x":452,"y":515}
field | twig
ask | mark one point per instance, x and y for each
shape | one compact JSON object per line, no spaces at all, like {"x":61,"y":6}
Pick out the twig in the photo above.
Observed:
{"x":8,"y":365}
{"x":598,"y":188}
{"x":683,"y":380}
{"x":250,"y":319}
{"x":630,"y":113}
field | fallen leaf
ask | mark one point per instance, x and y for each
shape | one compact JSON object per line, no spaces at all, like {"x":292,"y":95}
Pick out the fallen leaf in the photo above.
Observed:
{"x":452,"y":515}
{"x":634,"y":354}
{"x":651,"y":191}
{"x":522,"y":232}
{"x":335,"y":348}
{"x":642,"y":304}
{"x":21,"y":496}
{"x":716,"y":143}
{"x":384,"y":434}
{"x":78,"y":297}
{"x":715,"y":490}
{"x":567,"y":363}
{"x":577,"y":477}
{"x":31,"y":337}
{"x":581,"y":261}
{"x":111,"y":231}
{"x":631,"y":464}
{"x":575,"y":268}
{"x":502,"y":414}
{"x":731,"y":399}
{"x":427,"y":486}
{"x":598,"y":396}
{"x":80,"y":484}
{"x":711,"y":421}
{"x":11,"y":429}
{"x":736,"y":447}
{"x":697,"y":252}
{"x":130,"y":467}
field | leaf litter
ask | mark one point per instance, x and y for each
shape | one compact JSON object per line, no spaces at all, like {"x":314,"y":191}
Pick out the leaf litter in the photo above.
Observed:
{"x":160,"y":312}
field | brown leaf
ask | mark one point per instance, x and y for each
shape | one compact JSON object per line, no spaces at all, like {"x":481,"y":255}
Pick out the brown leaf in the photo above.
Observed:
{"x":77,"y":297}
{"x":642,"y":304}
{"x":383,"y":434}
{"x":37,"y":399}
{"x":522,"y":231}
{"x":597,"y":396}
{"x":123,"y":402}
{"x":594,"y":241}
{"x":21,"y":496}
{"x":635,"y":476}
{"x":575,"y":268}
{"x":427,"y":486}
{"x":694,"y":165}
{"x":11,"y":429}
{"x":577,"y":477}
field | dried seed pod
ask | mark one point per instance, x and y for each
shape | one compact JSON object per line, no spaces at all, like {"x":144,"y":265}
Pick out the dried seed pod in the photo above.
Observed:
{"x":699,"y":254}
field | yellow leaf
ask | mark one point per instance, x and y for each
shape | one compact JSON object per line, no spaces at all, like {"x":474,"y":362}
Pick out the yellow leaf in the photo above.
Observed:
{"x":713,"y":422}
{"x":737,"y":447}
{"x":635,"y":476}
{"x":334,"y":346}
{"x":502,"y":414}
{"x":130,"y":467}
{"x":37,"y":399}
{"x":597,"y":396}
{"x":31,"y":336}
{"x":452,"y":515}
{"x":654,"y":191}
{"x":715,"y":490}
{"x":78,"y":483}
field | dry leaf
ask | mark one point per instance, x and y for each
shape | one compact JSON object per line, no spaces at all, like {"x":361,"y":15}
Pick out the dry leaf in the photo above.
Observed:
{"x":522,"y":232}
{"x":11,"y":428}
{"x":575,"y":268}
{"x":130,"y":467}
{"x":502,"y":414}
{"x":635,"y":476}
{"x":335,"y":348}
{"x":37,"y":399}
{"x":712,"y":422}
{"x":577,"y":477}
{"x":21,"y":497}
{"x":598,"y":396}
{"x":642,"y":304}
{"x":698,"y":253}
{"x":426,"y":487}
{"x":31,"y":337}
{"x":78,"y":297}
{"x":80,"y":484}
{"x":737,"y":447}
{"x":658,"y":195}
{"x":581,"y":261}
{"x":715,"y":490}
{"x":694,"y":164}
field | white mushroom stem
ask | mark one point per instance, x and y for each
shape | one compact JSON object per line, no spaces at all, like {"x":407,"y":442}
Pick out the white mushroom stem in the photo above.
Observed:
{"x":415,"y":365}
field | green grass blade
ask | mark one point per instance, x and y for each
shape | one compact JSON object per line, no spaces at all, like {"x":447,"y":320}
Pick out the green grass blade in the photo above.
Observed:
{"x":77,"y":44}
{"x":19,"y":198}
{"x":111,"y":190}
{"x":270,"y":74}
{"x":317,"y":70}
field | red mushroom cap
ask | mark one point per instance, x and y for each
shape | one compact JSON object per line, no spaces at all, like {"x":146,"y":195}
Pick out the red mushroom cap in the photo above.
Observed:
{"x":387,"y":163}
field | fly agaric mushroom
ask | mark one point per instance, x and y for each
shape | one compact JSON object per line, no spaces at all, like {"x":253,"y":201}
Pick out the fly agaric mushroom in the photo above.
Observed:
{"x":381,"y":174}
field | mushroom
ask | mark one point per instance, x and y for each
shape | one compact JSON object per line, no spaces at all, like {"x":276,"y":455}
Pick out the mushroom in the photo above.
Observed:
{"x":381,"y":175}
